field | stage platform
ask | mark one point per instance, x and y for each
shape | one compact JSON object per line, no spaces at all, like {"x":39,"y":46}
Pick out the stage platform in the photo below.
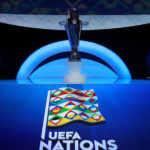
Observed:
{"x":125,"y":104}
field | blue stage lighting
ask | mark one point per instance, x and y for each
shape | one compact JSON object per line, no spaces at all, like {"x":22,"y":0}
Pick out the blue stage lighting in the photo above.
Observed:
{"x":113,"y":60}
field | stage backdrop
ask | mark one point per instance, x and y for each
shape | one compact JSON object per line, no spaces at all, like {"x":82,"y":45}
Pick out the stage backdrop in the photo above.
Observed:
{"x":131,"y":44}
{"x":85,"y":7}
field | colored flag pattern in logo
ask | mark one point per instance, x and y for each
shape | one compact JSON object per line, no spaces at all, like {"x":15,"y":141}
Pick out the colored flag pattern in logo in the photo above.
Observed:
{"x":69,"y":104}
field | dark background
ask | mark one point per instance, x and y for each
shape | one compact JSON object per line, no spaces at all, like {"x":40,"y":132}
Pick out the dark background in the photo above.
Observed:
{"x":131,"y":44}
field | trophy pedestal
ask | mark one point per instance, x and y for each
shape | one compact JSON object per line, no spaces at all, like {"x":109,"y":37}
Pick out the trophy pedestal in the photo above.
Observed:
{"x":74,"y":77}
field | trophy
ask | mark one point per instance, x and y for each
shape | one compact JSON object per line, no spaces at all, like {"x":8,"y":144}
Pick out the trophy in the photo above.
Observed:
{"x":73,"y":27}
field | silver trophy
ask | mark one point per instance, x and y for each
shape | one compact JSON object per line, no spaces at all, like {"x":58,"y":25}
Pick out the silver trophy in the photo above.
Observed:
{"x":73,"y":27}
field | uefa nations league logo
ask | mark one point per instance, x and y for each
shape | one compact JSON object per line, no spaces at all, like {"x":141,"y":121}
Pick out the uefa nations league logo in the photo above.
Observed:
{"x":65,"y":106}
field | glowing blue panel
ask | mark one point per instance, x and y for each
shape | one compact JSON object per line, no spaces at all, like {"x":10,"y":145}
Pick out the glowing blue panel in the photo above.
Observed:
{"x":57,"y":69}
{"x":63,"y":46}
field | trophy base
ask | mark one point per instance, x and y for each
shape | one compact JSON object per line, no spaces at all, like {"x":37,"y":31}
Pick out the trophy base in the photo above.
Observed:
{"x":74,"y":76}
